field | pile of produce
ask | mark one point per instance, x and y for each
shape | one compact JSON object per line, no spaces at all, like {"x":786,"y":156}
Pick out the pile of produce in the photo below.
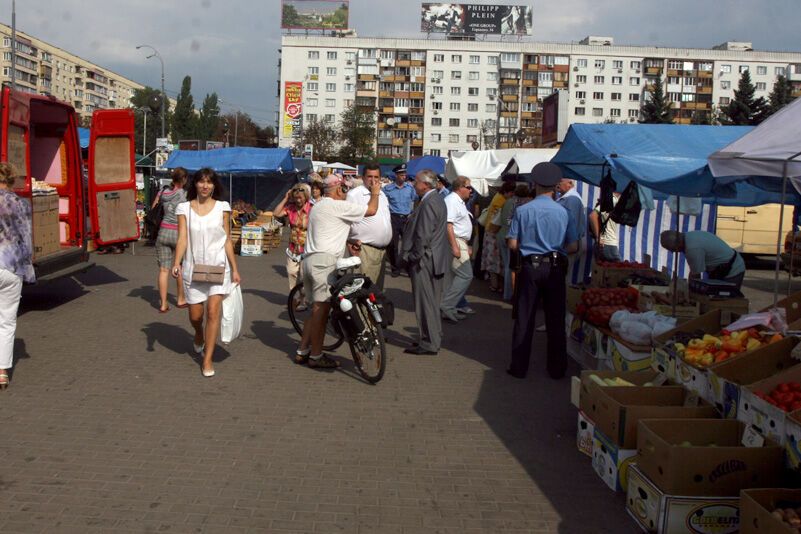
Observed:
{"x":786,"y":396}
{"x":790,"y":517}
{"x":705,"y":350}
{"x":622,"y":265}
{"x":614,"y":382}
{"x":599,"y":304}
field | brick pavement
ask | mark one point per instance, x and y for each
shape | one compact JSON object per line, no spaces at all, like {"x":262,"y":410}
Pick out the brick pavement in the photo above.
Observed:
{"x":109,"y":426}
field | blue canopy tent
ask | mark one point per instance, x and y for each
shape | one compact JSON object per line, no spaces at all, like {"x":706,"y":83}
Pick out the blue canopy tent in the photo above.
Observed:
{"x":258,"y":176}
{"x":434,"y":163}
{"x":83,"y":137}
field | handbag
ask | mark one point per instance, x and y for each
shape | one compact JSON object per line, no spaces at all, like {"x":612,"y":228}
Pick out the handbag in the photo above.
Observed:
{"x":482,"y":219}
{"x":207,"y":274}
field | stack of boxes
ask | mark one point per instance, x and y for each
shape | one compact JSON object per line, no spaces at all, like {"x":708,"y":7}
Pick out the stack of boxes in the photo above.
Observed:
{"x":46,"y":235}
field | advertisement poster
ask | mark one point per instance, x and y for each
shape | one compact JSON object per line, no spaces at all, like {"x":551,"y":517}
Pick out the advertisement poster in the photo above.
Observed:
{"x":471,"y":19}
{"x":314,"y":14}
{"x":293,"y":107}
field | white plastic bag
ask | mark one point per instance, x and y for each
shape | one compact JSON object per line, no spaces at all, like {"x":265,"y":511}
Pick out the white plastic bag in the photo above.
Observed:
{"x":233,"y":311}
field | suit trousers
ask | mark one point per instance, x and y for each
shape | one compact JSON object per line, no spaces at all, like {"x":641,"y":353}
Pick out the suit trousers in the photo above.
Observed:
{"x":398,"y":221}
{"x":427,"y":293}
{"x":10,"y":293}
{"x":546,"y":283}
{"x":457,"y":281}
{"x":373,"y":264}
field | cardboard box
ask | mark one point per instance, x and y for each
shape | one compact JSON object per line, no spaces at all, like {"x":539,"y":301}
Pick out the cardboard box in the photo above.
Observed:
{"x":44,"y":217}
{"x":616,"y":410}
{"x":573,"y":297}
{"x":654,"y":511}
{"x":768,"y":419}
{"x":683,"y":313}
{"x":757,"y":505}
{"x":792,"y":306}
{"x":250,"y":247}
{"x":595,"y":341}
{"x":613,"y":276}
{"x":625,"y":356}
{"x":586,"y":429}
{"x":731,"y":308}
{"x":610,"y":462}
{"x":700,"y":469}
{"x":792,"y":441}
{"x":727,"y":378}
{"x":252,"y":232}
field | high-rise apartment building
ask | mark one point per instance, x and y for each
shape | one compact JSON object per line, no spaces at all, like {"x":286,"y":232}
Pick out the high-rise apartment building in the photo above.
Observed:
{"x":45,"y":69}
{"x":439,"y":96}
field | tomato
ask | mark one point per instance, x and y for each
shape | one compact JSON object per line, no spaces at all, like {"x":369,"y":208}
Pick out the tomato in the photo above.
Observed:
{"x":784,"y":388}
{"x":795,"y":386}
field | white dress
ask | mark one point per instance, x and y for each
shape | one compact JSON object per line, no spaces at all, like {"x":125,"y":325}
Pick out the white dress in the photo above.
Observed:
{"x":206,"y":246}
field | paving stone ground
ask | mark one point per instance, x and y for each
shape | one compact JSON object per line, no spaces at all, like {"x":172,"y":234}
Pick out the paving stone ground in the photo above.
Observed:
{"x":109,"y":427}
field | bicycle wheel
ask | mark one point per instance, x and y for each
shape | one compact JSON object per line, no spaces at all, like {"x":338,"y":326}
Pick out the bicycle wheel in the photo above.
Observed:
{"x":333,"y":337}
{"x":369,"y":351}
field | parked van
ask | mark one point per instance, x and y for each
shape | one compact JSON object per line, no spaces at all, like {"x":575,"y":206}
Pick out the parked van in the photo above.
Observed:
{"x":753,"y":230}
{"x":39,"y":137}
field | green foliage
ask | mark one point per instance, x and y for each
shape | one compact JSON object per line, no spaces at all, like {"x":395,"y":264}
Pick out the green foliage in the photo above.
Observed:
{"x":357,"y":134}
{"x":184,"y":120}
{"x":745,"y":109}
{"x":209,"y":117}
{"x":242,"y":131}
{"x":140,"y":100}
{"x":321,"y":136}
{"x":781,"y":95}
{"x":657,"y":110}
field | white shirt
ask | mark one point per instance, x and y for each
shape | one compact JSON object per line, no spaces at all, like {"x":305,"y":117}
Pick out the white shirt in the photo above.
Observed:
{"x":459,"y":217}
{"x":375,"y":231}
{"x":609,"y":235}
{"x":329,"y":224}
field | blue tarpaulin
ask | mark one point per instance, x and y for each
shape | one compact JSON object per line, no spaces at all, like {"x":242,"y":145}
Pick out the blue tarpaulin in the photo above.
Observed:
{"x":667,"y":159}
{"x":234,"y":160}
{"x":83,"y":137}
{"x":434,"y":163}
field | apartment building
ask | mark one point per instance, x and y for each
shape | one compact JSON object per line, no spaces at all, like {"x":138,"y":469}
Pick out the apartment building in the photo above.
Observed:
{"x":45,"y":69}
{"x":440,"y":96}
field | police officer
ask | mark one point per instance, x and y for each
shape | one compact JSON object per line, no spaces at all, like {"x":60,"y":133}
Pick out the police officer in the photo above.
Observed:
{"x":544,"y":233}
{"x":401,"y":196}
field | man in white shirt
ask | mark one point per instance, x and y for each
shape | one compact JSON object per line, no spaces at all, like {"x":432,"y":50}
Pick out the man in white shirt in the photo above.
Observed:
{"x":604,"y":232}
{"x":460,"y":229}
{"x":329,"y":224}
{"x":370,"y":237}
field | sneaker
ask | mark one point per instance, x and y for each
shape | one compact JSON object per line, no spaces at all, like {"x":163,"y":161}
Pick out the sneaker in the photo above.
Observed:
{"x":467,"y":310}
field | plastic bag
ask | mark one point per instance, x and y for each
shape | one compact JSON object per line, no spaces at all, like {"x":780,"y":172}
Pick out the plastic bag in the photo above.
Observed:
{"x":774,"y":319}
{"x":636,"y":333}
{"x":233,"y":311}
{"x":687,"y":205}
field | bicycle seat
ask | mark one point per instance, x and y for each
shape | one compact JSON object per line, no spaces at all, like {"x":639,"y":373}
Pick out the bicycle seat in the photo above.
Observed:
{"x":344,"y":264}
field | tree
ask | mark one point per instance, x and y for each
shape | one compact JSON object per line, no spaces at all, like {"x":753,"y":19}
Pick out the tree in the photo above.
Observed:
{"x":781,"y":95}
{"x":243,"y":131}
{"x":701,"y":117}
{"x":322,"y":136}
{"x":209,"y":117}
{"x":744,"y":109}
{"x":140,"y":100}
{"x":357,"y":134}
{"x":184,"y":121}
{"x":657,"y":109}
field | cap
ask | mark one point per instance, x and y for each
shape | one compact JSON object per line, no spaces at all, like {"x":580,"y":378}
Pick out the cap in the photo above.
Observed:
{"x":334,"y":180}
{"x":546,"y":174}
{"x":400,"y":168}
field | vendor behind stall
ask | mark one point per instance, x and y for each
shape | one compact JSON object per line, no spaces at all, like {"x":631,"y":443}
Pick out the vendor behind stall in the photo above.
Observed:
{"x":706,"y":252}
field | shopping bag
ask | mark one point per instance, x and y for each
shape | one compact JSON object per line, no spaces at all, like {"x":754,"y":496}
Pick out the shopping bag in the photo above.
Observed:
{"x":233,"y":310}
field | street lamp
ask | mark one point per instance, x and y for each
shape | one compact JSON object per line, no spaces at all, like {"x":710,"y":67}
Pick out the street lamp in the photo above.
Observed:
{"x":163,"y":94}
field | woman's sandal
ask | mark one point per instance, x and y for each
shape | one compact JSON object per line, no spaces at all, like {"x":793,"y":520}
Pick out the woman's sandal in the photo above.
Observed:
{"x":300,"y":359}
{"x":3,"y":381}
{"x":324,"y":362}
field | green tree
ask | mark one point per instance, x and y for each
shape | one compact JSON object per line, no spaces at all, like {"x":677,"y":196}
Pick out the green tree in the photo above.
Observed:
{"x":266,"y":137}
{"x":357,"y":134}
{"x":322,"y":136}
{"x":184,"y":120}
{"x":208,"y":118}
{"x":290,"y":16}
{"x":657,"y":109}
{"x":701,"y":117}
{"x":745,"y":109}
{"x":140,"y":100}
{"x":781,"y":95}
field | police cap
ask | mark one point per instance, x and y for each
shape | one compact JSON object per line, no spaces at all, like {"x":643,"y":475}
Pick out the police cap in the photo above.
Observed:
{"x":400,"y":168}
{"x":546,"y":174}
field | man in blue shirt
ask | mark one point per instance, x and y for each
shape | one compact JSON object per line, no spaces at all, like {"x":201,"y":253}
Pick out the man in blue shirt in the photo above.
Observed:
{"x":544,"y":233}
{"x":401,"y":197}
{"x":706,"y":252}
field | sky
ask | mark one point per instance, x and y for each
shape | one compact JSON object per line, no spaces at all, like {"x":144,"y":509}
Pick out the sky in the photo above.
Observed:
{"x":231,"y":47}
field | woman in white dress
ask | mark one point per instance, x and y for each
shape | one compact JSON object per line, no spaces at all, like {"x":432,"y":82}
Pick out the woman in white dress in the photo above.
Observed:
{"x":204,"y":237}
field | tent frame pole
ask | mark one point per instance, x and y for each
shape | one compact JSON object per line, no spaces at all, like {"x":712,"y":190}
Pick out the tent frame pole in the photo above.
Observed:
{"x":780,"y":237}
{"x":676,"y":258}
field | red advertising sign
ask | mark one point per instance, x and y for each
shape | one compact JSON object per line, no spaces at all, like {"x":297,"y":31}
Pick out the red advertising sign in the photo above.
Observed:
{"x":293,"y":107}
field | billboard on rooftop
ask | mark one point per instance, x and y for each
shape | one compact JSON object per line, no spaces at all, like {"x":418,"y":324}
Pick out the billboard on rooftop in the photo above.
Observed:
{"x":314,"y":14}
{"x":472,"y":19}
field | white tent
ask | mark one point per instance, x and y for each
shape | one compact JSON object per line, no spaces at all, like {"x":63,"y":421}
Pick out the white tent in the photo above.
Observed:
{"x":339,"y":167}
{"x":486,"y":168}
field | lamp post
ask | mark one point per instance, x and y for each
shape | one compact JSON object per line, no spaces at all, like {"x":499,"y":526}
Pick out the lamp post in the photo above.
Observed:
{"x":163,"y":94}
{"x":13,"y":44}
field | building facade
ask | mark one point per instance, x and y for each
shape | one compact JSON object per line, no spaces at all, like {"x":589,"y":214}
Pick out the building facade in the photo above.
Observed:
{"x":439,"y":96}
{"x":45,"y":69}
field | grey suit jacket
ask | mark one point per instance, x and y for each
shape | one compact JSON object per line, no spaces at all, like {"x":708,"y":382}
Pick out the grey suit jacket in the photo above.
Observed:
{"x":425,"y":237}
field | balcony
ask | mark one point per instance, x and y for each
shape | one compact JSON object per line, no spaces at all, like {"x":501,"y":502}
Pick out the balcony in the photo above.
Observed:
{"x":367,"y":93}
{"x":704,"y":90}
{"x":417,"y":142}
{"x":561,"y":68}
{"x":416,"y":111}
{"x":528,"y":83}
{"x":388,"y":110}
{"x":367,"y":77}
{"x":385,"y":94}
{"x":403,"y":62}
{"x":417,"y":94}
{"x":653,"y":71}
{"x":384,"y":140}
{"x":509,"y":114}
{"x":674,"y":72}
{"x":509,"y":98}
{"x":398,"y":142}
{"x":531,"y":67}
{"x":510,"y":81}
{"x":401,"y":94}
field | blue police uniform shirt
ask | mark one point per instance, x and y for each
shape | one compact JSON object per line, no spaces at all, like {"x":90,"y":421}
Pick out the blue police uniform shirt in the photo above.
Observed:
{"x":401,"y":199}
{"x":542,"y":226}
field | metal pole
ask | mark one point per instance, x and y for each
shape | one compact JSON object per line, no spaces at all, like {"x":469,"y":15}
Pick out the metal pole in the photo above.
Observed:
{"x":13,"y":44}
{"x":676,"y":258}
{"x":144,"y":135}
{"x":163,"y":99}
{"x":779,"y":239}
{"x":236,"y":126}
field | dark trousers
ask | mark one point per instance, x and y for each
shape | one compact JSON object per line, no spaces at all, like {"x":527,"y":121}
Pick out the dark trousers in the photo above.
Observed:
{"x":393,"y":250}
{"x":545,"y":283}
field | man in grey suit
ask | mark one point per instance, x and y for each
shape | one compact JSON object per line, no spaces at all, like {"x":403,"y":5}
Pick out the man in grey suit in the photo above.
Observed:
{"x":428,"y":257}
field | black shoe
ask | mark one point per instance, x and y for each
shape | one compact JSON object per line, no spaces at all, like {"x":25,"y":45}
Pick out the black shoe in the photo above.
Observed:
{"x":420,"y":351}
{"x":394,"y":274}
{"x":556,"y":370}
{"x":515,"y":374}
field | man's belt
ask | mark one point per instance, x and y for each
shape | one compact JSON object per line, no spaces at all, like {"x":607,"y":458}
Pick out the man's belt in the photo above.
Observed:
{"x":554,"y":258}
{"x":401,"y":215}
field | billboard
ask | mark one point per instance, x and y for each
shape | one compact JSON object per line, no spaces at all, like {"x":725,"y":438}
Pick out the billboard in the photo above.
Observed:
{"x":314,"y":14}
{"x":554,"y":118}
{"x":293,"y":107}
{"x":471,"y":19}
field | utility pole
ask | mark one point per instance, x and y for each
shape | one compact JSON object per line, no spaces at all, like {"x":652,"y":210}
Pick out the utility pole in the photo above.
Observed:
{"x":13,"y":44}
{"x":236,"y":126}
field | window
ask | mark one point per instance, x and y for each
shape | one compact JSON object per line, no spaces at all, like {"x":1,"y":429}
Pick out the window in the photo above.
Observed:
{"x":614,"y":112}
{"x":436,"y":89}
{"x":367,"y":53}
{"x":472,"y":123}
{"x":761,"y":86}
{"x":724,"y":100}
{"x":456,"y":58}
{"x":581,"y":94}
{"x":617,"y":80}
{"x":472,"y":91}
{"x":436,"y":138}
{"x":634,"y":97}
{"x":492,"y":76}
{"x":581,"y":79}
{"x":634,"y":80}
{"x":439,"y":58}
{"x":331,"y":55}
{"x":673,"y":80}
{"x":675,"y":65}
{"x":743,"y":68}
{"x":436,"y":105}
{"x":456,"y":91}
{"x":598,"y":95}
{"x":492,"y":60}
{"x":473,"y":75}
{"x":314,"y":71}
{"x":674,"y":97}
{"x":436,"y":121}
{"x":475,"y":60}
{"x":453,"y":138}
{"x":331,"y":71}
{"x":330,"y":103}
{"x":314,"y":54}
{"x":437,"y":74}
{"x":330,"y":119}
{"x":510,"y":57}
{"x":597,"y":112}
{"x":492,"y":91}
{"x":634,"y":113}
{"x":581,"y":63}
{"x":600,"y":63}
{"x":310,"y":102}
{"x":472,"y":106}
{"x":617,"y":96}
{"x":725,"y":68}
{"x":456,"y":75}
{"x":453,"y":122}
{"x":435,"y":152}
{"x":349,"y":87}
{"x":545,"y":77}
{"x":635,"y":65}
{"x":455,"y":106}
{"x":310,"y":118}
{"x":725,"y":84}
{"x":491,"y":108}
{"x":330,"y":87}
{"x":762,"y":69}
{"x":598,"y":79}
{"x":580,"y":111}
{"x":417,"y":71}
{"x":779,"y":71}
{"x":617,"y":64}
{"x":472,"y":138}
{"x":419,"y":55}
